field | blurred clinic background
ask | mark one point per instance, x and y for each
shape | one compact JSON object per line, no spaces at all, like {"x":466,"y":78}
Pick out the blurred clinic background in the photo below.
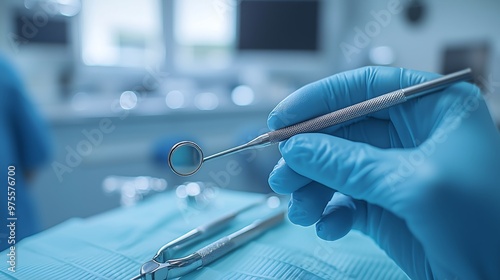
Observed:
{"x":120,"y":81}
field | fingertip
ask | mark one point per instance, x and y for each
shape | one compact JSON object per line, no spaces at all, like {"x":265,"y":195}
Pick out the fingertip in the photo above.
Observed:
{"x":335,"y":226}
{"x":338,"y":219}
{"x":276,"y":178}
{"x":275,"y":183}
{"x":322,"y":231}
{"x":283,"y":180}
{"x":308,"y":203}
{"x":274,"y":121}
{"x":310,"y":154}
{"x":286,"y":112}
{"x":278,"y":165}
{"x":297,"y":147}
{"x":299,"y":216}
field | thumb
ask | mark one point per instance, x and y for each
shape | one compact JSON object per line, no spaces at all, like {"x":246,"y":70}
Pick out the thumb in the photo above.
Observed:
{"x":356,"y":169}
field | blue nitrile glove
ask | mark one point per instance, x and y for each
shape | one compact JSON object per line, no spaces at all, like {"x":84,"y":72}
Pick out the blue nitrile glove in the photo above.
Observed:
{"x":421,"y":178}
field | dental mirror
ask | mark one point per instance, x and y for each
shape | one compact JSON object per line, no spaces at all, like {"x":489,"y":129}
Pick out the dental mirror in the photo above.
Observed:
{"x":185,"y":158}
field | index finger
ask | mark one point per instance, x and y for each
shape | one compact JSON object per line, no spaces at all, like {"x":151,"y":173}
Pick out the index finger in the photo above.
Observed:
{"x":342,"y":90}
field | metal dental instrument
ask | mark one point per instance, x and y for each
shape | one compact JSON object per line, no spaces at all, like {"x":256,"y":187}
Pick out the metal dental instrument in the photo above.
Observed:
{"x":185,"y":158}
{"x":156,"y":269}
{"x":168,"y":250}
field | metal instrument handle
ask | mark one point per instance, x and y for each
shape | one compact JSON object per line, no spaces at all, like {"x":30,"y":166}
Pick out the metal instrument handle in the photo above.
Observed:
{"x":228,"y":243}
{"x":339,"y":116}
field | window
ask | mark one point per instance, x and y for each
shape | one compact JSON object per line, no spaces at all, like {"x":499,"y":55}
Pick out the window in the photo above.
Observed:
{"x":122,"y":32}
{"x":204,"y":32}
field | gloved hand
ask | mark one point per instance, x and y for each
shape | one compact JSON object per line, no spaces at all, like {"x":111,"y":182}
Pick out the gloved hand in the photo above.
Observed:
{"x":422,"y":179}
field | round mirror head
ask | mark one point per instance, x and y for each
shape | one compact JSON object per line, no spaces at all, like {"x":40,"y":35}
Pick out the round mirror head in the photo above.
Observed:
{"x":185,"y":158}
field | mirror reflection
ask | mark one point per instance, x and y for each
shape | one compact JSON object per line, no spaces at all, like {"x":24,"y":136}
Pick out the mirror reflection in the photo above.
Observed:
{"x":185,"y":158}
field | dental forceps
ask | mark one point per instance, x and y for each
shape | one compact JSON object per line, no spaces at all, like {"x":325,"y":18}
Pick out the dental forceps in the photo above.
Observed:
{"x":165,"y":266}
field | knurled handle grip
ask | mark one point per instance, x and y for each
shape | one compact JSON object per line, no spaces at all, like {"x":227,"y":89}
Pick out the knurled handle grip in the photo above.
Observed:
{"x":339,"y":116}
{"x":216,"y":250}
{"x":228,"y":243}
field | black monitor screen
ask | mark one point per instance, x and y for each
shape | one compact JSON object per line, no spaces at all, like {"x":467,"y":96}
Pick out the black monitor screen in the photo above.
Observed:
{"x":474,"y":55}
{"x":278,"y":25}
{"x":46,"y":30}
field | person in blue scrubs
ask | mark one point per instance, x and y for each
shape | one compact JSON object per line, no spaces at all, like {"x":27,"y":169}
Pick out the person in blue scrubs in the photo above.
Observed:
{"x":24,"y":147}
{"x":422,"y":179}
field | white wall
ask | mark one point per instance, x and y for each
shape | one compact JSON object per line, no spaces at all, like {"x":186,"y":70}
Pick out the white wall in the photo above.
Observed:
{"x":446,"y":22}
{"x":40,"y":65}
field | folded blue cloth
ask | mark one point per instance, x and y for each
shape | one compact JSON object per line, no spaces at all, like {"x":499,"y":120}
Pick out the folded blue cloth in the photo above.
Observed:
{"x":115,"y":244}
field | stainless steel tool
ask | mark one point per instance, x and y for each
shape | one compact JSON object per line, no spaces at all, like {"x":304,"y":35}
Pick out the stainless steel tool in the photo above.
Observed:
{"x":186,"y":157}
